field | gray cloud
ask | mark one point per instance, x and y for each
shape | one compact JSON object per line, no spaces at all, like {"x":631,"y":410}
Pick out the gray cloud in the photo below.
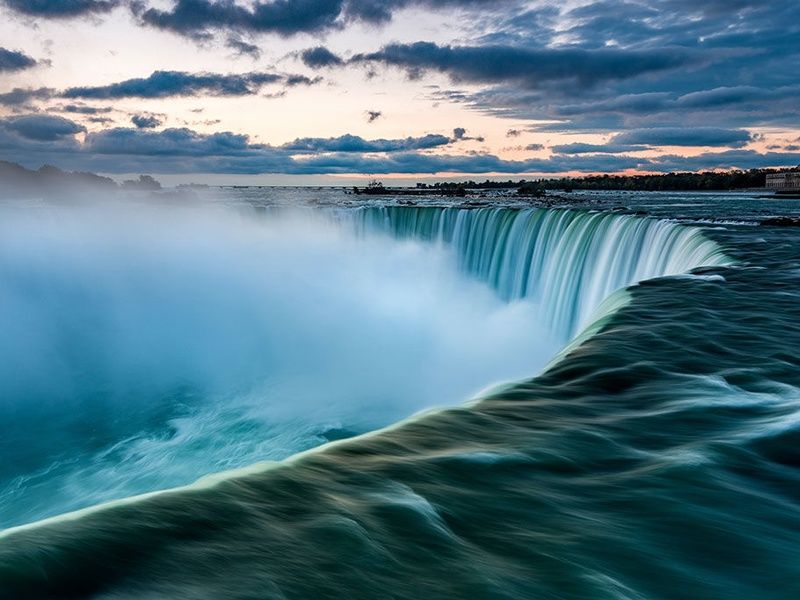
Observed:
{"x":320,"y":57}
{"x":354,"y":143}
{"x":52,"y":140}
{"x":162,"y":84}
{"x":460,"y":134}
{"x":84,"y":109}
{"x":146,"y":121}
{"x":21,"y":96}
{"x":242,"y":48}
{"x":60,"y":9}
{"x":683,"y":136}
{"x":529,"y":68}
{"x":41,"y":128}
{"x":198,"y":18}
{"x":580,"y":148}
{"x":740,"y":68}
{"x":14,"y":60}
{"x":730,"y":159}
{"x":293,"y":80}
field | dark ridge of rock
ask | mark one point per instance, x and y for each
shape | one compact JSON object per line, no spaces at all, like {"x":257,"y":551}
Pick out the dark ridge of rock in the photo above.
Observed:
{"x":782,"y":221}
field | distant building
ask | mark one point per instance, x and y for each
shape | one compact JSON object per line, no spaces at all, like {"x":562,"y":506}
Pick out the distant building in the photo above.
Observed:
{"x":784,"y":182}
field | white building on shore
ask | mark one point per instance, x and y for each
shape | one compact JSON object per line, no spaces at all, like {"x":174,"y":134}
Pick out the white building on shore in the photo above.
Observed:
{"x":784,"y":182}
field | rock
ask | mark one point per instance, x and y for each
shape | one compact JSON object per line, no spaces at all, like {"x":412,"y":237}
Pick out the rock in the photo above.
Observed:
{"x":782,"y":221}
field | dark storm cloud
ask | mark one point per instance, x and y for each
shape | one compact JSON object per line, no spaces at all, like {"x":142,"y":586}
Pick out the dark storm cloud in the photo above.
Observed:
{"x":13,"y":60}
{"x":60,"y":9}
{"x":679,"y":136}
{"x":41,"y":128}
{"x":146,"y":121}
{"x":529,"y":68}
{"x":162,"y":84}
{"x":354,"y":143}
{"x":319,"y":57}
{"x":197,"y":18}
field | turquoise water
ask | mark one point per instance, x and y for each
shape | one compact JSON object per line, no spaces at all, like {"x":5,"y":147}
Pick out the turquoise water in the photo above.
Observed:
{"x":655,"y":459}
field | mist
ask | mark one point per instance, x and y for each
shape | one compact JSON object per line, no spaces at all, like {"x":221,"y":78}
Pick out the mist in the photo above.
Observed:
{"x":146,"y":345}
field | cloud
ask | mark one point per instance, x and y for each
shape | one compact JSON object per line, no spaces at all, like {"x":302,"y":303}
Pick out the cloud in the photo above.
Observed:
{"x":242,"y":48}
{"x":21,"y":96}
{"x":354,"y":143}
{"x":726,"y":96}
{"x":13,"y":60}
{"x":84,"y":109}
{"x":373,"y":115}
{"x":41,"y":128}
{"x":460,"y":134}
{"x":580,"y":148}
{"x":319,"y":57}
{"x":176,"y":142}
{"x":730,"y":159}
{"x":120,"y":150}
{"x":529,"y":68}
{"x":198,"y":18}
{"x":513,"y":133}
{"x":534,"y":147}
{"x":146,"y":121}
{"x":294,"y":80}
{"x":60,"y":9}
{"x":739,"y":68}
{"x":680,"y":136}
{"x":284,"y":17}
{"x":163,"y":84}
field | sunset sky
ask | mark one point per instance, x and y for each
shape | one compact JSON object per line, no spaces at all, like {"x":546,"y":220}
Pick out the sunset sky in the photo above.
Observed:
{"x":286,"y":91}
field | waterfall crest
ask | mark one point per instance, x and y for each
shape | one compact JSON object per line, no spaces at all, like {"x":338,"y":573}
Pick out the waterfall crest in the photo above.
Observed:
{"x":566,"y":261}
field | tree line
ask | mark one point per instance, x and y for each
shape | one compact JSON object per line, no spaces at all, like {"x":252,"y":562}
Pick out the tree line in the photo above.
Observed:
{"x":706,"y":181}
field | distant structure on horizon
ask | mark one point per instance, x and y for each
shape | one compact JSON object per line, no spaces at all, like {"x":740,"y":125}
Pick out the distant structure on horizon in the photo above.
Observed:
{"x":784,"y":182}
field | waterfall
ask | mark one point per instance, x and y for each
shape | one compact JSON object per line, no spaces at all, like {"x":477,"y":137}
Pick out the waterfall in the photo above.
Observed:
{"x":566,"y":261}
{"x":149,"y":344}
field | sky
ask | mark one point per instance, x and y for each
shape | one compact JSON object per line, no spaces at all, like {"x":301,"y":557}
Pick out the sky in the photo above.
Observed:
{"x":327,"y":91}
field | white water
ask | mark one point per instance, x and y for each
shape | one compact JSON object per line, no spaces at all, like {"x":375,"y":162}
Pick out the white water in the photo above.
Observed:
{"x":145,"y":346}
{"x":566,"y":261}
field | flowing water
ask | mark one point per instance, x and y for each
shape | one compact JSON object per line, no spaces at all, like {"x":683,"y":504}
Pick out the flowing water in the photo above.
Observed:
{"x":653,"y":456}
